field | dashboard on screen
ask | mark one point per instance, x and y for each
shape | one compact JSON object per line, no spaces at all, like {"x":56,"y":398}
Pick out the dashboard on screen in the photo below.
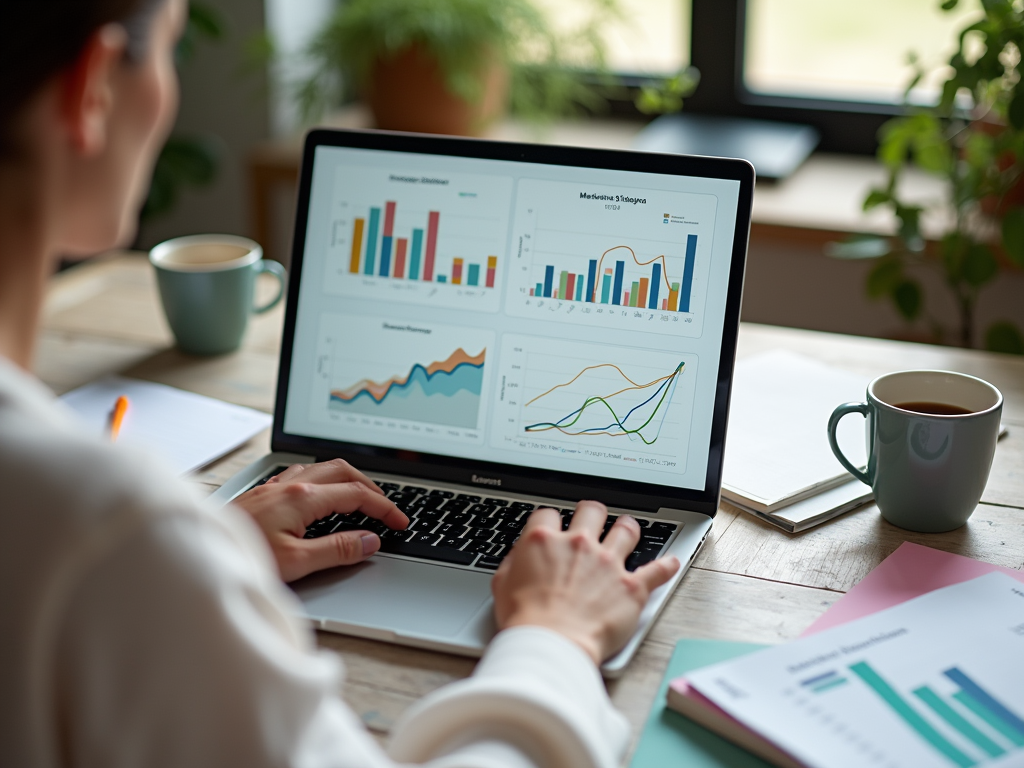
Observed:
{"x":535,"y":315}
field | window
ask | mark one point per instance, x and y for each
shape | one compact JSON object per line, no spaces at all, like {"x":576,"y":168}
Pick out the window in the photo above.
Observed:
{"x":652,"y":37}
{"x":838,"y":65}
{"x":824,"y":49}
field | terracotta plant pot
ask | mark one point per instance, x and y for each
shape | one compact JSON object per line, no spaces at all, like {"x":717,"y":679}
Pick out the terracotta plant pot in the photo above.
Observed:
{"x":407,"y":92}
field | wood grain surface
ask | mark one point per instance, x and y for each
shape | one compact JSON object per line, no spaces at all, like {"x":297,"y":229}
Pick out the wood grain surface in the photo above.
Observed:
{"x":752,"y":582}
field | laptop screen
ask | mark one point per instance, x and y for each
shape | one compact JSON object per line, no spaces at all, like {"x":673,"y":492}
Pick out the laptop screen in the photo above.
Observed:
{"x":524,"y":314}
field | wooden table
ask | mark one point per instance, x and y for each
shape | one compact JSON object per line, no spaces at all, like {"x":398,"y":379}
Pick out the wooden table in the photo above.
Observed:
{"x":752,"y":582}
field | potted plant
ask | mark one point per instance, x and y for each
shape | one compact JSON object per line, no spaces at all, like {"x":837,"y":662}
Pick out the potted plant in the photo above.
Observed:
{"x":453,"y":66}
{"x":974,"y":139}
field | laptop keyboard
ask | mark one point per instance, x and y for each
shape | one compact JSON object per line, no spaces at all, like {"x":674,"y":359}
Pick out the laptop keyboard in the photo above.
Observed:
{"x":466,"y":529}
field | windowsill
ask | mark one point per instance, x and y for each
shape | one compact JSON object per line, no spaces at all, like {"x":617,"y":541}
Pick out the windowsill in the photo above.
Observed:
{"x":825,"y":194}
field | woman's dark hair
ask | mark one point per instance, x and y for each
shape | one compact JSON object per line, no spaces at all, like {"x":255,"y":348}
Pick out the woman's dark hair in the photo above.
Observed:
{"x":45,"y":36}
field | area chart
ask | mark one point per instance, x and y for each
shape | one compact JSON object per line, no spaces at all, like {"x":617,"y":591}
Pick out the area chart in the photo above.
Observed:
{"x":446,"y":391}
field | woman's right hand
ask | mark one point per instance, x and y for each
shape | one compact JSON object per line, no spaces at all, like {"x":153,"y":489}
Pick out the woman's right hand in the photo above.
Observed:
{"x":571,"y":582}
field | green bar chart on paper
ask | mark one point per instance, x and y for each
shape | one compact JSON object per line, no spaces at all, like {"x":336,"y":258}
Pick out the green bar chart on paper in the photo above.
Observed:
{"x":936,"y":682}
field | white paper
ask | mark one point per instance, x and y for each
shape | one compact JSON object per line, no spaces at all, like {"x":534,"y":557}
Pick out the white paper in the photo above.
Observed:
{"x":777,"y":449}
{"x":828,"y":699}
{"x":187,"y":430}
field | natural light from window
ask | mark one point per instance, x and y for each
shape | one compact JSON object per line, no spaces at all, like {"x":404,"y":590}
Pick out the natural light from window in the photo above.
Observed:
{"x":651,"y":37}
{"x":850,"y":51}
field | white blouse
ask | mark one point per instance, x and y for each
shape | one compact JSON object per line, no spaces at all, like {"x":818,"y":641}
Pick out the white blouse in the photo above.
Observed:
{"x":141,"y":626}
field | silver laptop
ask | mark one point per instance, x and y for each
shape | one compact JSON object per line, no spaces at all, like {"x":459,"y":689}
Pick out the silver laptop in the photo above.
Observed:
{"x":485,"y":328}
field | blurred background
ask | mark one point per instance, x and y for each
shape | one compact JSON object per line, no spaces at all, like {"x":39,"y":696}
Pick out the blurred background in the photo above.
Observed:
{"x":899,"y":213}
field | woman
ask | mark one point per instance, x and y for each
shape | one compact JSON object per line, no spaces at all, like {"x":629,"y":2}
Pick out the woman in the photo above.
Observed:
{"x":140,"y":627}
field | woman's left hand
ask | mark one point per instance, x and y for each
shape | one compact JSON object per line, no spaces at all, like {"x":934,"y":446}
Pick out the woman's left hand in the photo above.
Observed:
{"x":303,"y":493}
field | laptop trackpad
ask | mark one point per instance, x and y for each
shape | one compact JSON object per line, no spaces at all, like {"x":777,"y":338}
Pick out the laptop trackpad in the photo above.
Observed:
{"x":398,"y":595}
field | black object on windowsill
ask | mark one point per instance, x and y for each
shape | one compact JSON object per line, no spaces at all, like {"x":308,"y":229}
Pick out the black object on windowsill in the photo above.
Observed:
{"x":774,"y":149}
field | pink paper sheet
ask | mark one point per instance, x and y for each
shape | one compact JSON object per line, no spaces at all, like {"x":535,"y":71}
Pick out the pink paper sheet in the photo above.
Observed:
{"x":910,"y":571}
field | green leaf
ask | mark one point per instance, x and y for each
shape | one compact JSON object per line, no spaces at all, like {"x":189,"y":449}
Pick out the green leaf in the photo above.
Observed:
{"x":979,"y":265}
{"x":954,"y":250}
{"x":1004,"y":337}
{"x":907,"y":298}
{"x":1013,"y":235}
{"x":885,"y":278}
{"x":859,"y":247}
{"x":875,"y":198}
{"x":949,"y":5}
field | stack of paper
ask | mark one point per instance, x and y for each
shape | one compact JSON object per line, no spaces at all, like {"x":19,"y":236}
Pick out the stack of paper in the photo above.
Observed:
{"x":778,"y":463}
{"x":187,"y":430}
{"x":893,"y":674}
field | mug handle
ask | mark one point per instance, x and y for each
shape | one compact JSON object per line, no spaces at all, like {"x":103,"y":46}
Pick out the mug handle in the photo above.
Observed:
{"x":833,"y":424}
{"x":281,"y":274}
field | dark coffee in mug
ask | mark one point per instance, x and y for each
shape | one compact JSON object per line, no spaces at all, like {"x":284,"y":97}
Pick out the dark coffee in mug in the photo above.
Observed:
{"x":933,"y":409}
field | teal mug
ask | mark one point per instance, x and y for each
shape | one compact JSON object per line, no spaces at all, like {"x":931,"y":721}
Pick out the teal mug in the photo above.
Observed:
{"x":208,"y":285}
{"x":931,"y":438}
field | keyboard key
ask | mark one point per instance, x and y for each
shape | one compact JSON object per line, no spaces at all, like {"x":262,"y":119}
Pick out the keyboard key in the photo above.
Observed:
{"x":387,"y":487}
{"x":522,"y":505}
{"x":642,"y":523}
{"x":430,"y":514}
{"x":453,"y":530}
{"x":393,"y":535}
{"x":467,"y":497}
{"x":512,"y":526}
{"x":414,"y":489}
{"x":455,"y":505}
{"x":665,"y":528}
{"x":451,"y":542}
{"x":402,"y":499}
{"x":503,"y":513}
{"x":478,"y":534}
{"x":496,"y":502}
{"x":424,"y":538}
{"x":478,"y":546}
{"x":423,"y":526}
{"x":427,"y":502}
{"x":502,"y":538}
{"x":488,"y":563}
{"x":485,"y":510}
{"x":425,"y":552}
{"x":458,"y":518}
{"x":482,"y":522}
{"x":442,"y":494}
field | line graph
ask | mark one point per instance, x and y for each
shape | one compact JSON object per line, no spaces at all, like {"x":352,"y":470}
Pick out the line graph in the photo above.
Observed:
{"x":615,"y":405}
{"x":620,"y":426}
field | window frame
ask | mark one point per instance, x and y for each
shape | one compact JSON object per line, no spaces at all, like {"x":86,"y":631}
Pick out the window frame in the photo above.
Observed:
{"x":717,"y":35}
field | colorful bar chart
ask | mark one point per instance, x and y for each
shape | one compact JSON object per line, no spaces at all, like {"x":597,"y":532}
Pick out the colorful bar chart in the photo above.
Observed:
{"x":654,"y":291}
{"x":401,"y":257}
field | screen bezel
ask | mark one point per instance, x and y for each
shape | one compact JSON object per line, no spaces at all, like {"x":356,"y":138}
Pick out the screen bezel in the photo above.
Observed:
{"x":647,"y":497}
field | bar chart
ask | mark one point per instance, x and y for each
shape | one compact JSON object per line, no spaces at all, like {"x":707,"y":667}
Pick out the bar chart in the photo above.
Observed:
{"x":630,"y":266}
{"x":613,"y":405}
{"x":415,"y":256}
{"x":419,"y":239}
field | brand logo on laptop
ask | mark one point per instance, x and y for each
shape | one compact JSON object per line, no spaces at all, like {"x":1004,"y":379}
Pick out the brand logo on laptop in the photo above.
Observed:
{"x":486,"y":480}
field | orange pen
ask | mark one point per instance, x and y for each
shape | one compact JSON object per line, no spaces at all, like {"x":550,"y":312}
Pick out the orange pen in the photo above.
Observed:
{"x":120,"y":409}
